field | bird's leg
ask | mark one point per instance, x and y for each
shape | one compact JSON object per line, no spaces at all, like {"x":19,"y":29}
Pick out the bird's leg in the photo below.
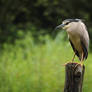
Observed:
{"x":81,"y":62}
{"x":73,"y":58}
{"x":71,"y":61}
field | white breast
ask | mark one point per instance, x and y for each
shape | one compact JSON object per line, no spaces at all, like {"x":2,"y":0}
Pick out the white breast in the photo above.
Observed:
{"x":75,"y":39}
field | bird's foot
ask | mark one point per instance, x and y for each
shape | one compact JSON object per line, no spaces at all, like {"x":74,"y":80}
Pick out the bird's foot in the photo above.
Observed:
{"x":79,"y":64}
{"x":67,"y":63}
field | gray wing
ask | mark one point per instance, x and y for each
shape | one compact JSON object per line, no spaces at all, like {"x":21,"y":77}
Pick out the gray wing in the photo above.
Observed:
{"x":84,"y":37}
{"x":76,"y":52}
{"x":85,"y":50}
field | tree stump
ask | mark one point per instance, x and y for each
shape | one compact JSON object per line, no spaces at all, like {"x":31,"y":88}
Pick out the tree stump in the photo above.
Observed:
{"x":74,"y":77}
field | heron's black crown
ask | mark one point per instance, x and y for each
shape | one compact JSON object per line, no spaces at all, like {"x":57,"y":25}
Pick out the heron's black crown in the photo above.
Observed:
{"x":72,"y":20}
{"x":67,"y":21}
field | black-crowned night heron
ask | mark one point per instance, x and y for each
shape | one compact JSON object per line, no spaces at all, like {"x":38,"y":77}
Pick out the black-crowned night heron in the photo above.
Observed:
{"x":78,"y":37}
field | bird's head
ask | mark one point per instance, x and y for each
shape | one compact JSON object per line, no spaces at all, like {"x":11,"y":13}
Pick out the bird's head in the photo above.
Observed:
{"x":68,"y":23}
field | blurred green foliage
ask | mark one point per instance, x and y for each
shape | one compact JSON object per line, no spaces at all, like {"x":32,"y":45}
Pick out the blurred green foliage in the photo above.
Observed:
{"x":31,"y":67}
{"x":31,"y":60}
{"x":46,"y":14}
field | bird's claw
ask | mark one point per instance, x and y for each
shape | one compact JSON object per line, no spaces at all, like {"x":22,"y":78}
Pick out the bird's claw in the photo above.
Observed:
{"x":67,"y":63}
{"x":81,"y":64}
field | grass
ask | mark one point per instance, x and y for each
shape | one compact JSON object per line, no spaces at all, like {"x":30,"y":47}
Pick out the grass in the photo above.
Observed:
{"x":30,"y":67}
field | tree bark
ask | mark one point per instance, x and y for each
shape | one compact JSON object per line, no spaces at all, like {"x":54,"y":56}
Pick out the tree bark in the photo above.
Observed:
{"x":74,"y":77}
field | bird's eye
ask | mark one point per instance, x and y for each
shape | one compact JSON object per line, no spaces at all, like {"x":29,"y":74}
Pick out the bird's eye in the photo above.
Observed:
{"x":67,"y":23}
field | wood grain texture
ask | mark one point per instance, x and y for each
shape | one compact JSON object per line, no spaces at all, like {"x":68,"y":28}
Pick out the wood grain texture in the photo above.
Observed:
{"x":74,"y":77}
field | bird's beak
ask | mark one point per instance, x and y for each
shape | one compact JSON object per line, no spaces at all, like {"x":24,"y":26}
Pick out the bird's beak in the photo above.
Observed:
{"x":60,"y":26}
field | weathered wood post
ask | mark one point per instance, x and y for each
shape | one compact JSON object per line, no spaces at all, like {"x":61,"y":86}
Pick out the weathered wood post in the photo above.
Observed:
{"x":74,"y":77}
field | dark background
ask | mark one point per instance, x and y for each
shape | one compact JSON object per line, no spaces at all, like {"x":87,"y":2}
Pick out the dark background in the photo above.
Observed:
{"x":40,"y":14}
